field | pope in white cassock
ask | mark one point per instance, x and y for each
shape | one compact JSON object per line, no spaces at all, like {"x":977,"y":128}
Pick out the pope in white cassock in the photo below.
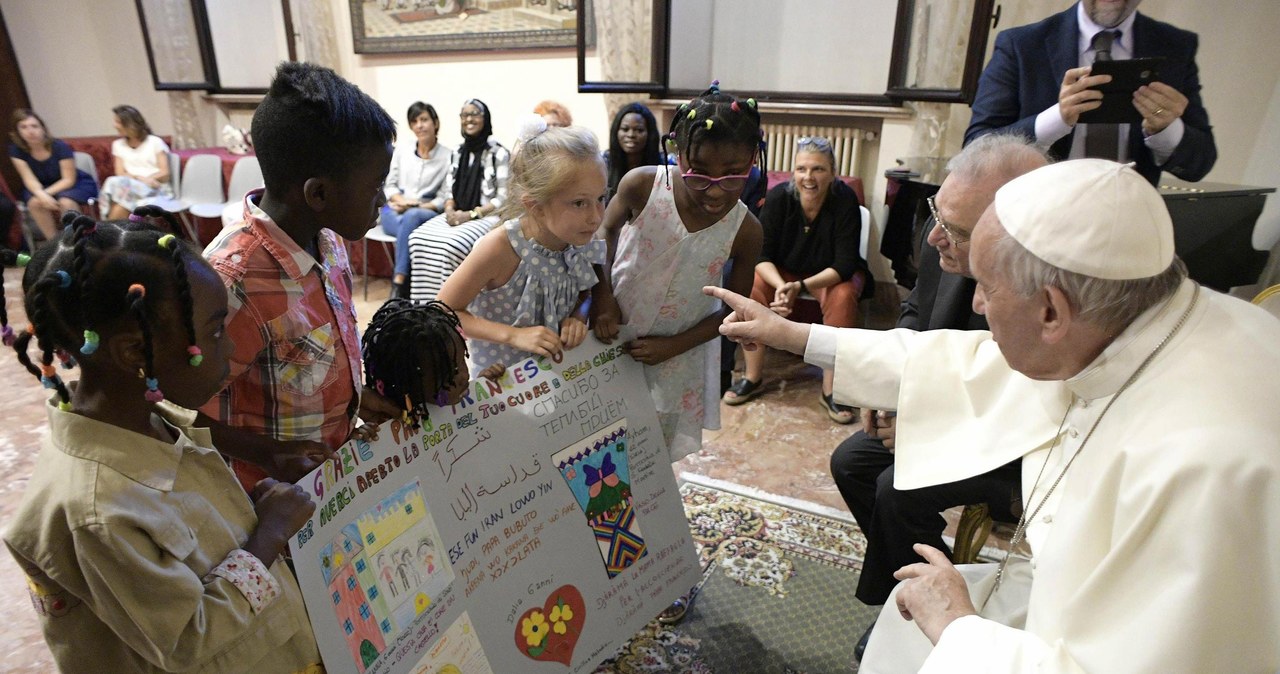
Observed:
{"x":1147,"y":413}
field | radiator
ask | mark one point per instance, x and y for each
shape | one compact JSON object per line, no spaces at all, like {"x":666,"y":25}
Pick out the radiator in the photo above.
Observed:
{"x":846,"y":142}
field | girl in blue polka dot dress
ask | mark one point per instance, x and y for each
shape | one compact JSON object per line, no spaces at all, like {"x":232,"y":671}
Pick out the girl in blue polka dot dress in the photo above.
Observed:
{"x":526,"y":285}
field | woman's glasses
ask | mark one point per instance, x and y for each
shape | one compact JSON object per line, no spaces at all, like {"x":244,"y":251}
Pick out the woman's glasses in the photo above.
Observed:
{"x":470,"y":115}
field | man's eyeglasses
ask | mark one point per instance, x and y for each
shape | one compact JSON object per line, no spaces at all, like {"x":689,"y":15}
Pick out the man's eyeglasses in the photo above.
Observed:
{"x":955,"y":238}
{"x":701,"y":183}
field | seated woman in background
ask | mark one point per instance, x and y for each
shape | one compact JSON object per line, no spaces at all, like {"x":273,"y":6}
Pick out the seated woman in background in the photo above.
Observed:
{"x":812,"y":227}
{"x":141,"y":166}
{"x":476,"y":188}
{"x":633,"y":141}
{"x":553,"y":113}
{"x":413,"y":183}
{"x":51,"y":183}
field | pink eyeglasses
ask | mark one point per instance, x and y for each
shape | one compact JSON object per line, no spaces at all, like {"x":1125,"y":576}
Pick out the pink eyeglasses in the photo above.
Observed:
{"x":701,"y":183}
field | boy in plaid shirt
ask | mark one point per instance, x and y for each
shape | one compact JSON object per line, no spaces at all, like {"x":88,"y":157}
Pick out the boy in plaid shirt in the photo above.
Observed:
{"x":294,"y":388}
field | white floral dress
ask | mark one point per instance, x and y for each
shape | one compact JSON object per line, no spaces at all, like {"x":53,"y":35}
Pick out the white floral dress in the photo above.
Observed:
{"x":542,"y":291}
{"x":658,"y":274}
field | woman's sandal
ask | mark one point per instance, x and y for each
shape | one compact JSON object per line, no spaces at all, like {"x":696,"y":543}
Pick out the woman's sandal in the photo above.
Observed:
{"x":841,"y":414}
{"x":743,"y":390}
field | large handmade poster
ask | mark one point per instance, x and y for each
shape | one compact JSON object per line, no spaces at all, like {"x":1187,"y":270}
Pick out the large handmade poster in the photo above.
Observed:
{"x":533,"y":527}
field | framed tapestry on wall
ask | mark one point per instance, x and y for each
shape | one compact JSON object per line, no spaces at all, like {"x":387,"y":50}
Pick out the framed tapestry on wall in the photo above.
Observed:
{"x":399,"y":26}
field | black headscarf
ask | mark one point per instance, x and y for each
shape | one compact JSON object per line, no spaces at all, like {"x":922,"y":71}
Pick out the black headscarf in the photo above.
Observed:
{"x":470,"y":175}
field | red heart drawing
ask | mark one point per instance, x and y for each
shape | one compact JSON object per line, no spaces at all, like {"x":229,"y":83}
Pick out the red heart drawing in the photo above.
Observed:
{"x":550,"y":632}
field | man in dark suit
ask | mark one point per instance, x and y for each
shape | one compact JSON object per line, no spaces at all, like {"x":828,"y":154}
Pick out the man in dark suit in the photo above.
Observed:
{"x":1038,"y":83}
{"x":862,"y":465}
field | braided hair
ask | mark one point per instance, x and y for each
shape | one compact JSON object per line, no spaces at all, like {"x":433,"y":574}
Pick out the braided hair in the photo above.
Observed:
{"x":8,"y":258}
{"x":97,"y":273}
{"x":403,"y":339}
{"x":716,"y":117}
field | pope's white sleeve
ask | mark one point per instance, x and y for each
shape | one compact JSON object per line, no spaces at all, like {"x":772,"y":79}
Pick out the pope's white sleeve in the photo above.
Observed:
{"x":976,"y":645}
{"x":868,"y":366}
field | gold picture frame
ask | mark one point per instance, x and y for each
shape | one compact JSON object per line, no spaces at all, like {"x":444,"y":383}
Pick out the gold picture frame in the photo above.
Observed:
{"x":407,"y":26}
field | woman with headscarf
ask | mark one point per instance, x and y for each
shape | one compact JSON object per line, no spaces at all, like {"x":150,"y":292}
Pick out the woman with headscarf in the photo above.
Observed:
{"x":471,"y":197}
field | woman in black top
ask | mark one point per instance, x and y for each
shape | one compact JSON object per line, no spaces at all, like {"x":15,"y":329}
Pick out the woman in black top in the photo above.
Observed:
{"x":812,"y":228}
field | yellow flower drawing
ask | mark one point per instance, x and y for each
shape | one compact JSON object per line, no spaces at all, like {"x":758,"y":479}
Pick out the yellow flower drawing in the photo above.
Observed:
{"x":561,"y":614}
{"x":534,"y":628}
{"x":421,"y":603}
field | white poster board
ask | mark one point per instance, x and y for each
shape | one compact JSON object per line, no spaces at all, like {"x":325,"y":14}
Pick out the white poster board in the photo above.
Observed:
{"x":533,"y":527}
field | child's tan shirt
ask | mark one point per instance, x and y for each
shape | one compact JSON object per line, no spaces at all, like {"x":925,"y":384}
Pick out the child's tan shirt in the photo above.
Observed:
{"x":132,"y":550}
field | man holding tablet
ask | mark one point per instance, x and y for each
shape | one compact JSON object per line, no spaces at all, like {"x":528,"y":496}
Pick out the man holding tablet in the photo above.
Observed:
{"x":1038,"y":83}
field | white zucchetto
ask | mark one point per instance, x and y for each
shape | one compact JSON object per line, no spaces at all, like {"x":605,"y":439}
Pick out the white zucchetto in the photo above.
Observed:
{"x":1089,"y":216}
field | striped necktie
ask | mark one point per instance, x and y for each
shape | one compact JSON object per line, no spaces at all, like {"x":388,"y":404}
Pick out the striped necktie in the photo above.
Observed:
{"x":1103,"y":140}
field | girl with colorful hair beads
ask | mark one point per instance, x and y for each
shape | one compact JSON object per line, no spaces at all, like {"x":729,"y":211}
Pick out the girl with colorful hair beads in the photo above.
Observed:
{"x":671,"y":230}
{"x":415,"y":355}
{"x":524,"y":288}
{"x":141,"y":552}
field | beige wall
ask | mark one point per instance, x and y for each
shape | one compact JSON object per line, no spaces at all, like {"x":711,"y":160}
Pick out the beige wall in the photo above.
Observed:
{"x":91,"y":57}
{"x":80,"y":58}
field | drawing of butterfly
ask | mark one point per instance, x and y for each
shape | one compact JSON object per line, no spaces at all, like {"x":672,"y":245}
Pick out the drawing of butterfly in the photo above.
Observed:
{"x":606,"y":475}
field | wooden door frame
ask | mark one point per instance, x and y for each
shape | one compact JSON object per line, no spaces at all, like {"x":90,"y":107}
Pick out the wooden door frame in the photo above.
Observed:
{"x":13,"y":95}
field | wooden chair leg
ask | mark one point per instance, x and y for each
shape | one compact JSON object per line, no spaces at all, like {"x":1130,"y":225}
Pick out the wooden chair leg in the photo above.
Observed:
{"x":972,"y":531}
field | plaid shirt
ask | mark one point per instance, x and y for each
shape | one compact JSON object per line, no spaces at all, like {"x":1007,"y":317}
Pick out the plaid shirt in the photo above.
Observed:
{"x":295,"y":370}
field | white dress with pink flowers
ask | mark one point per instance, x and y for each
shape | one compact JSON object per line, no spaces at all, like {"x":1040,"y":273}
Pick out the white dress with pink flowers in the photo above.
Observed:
{"x":658,"y":274}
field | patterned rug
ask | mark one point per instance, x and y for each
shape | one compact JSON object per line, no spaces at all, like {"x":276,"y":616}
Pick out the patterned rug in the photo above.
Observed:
{"x":776,"y":594}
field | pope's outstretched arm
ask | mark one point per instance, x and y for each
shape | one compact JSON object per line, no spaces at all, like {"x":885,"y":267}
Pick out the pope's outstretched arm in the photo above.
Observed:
{"x":752,"y":324}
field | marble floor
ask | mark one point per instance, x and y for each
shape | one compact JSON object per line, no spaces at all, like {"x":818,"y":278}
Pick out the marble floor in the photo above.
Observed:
{"x":778,"y":443}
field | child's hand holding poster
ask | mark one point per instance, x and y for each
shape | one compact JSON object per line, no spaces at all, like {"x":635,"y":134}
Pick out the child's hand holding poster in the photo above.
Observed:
{"x":534,"y":526}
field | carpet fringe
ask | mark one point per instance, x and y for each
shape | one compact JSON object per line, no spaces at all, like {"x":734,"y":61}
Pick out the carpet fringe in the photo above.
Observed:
{"x":761,"y":495}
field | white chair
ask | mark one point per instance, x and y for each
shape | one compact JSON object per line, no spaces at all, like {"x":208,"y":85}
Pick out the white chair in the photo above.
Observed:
{"x":866,"y":234}
{"x":84,"y":162}
{"x":381,"y":236}
{"x":173,"y":205}
{"x":200,"y":184}
{"x":245,"y":176}
{"x":232,"y":214}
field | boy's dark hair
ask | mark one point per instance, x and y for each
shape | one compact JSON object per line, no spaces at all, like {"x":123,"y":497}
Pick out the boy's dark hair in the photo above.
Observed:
{"x":716,"y":117}
{"x":416,"y":110}
{"x":403,"y":336}
{"x":652,"y":143}
{"x":94,"y":274}
{"x":314,"y":123}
